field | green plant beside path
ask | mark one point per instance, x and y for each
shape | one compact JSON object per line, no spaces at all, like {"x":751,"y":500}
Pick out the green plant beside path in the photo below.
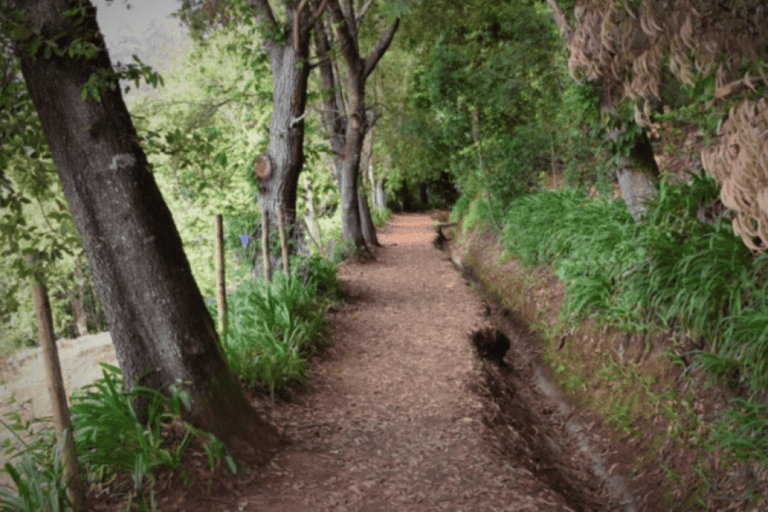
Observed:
{"x":671,"y":273}
{"x":276,"y":327}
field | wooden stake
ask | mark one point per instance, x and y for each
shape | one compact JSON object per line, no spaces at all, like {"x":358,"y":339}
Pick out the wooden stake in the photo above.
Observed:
{"x":56,"y":389}
{"x":265,"y":243}
{"x":283,"y":240}
{"x":221,"y":277}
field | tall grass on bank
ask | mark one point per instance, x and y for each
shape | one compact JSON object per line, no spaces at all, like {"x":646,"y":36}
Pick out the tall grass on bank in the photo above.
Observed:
{"x":670,"y":270}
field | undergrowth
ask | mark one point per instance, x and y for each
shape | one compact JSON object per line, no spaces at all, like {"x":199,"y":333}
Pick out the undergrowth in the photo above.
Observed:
{"x":669,"y":272}
{"x":275,"y":327}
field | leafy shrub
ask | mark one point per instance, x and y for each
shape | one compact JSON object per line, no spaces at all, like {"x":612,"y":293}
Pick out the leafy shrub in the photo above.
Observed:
{"x":274,"y":326}
{"x":38,"y":474}
{"x":111,"y":443}
{"x":380,"y":216}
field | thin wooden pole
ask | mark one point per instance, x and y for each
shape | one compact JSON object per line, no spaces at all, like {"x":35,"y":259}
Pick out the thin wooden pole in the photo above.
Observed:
{"x":56,"y":389}
{"x":283,"y":240}
{"x":265,"y":244}
{"x":221,"y":277}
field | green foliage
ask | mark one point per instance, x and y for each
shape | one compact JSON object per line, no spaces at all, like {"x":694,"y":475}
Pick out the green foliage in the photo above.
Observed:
{"x":380,"y":216}
{"x":671,"y":269}
{"x":109,"y":436}
{"x":113,"y":446}
{"x":34,"y":220}
{"x":274,"y":327}
{"x":37,"y":473}
{"x":744,"y":431}
{"x":493,"y":60}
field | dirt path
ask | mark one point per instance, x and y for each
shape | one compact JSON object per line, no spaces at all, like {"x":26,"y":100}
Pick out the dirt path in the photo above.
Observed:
{"x":391,"y":424}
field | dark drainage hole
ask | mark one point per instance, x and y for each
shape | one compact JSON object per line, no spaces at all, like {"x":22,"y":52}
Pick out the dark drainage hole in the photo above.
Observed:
{"x":490,"y":344}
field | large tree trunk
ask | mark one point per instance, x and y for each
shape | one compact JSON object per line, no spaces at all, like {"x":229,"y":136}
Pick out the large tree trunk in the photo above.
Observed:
{"x":286,"y":135}
{"x":160,"y":326}
{"x":638,"y":176}
{"x":290,"y":70}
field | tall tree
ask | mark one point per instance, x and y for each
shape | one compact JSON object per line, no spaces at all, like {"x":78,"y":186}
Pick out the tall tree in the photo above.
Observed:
{"x":637,"y":173}
{"x":359,"y":68}
{"x":160,"y":327}
{"x":287,"y":45}
{"x":335,"y":117}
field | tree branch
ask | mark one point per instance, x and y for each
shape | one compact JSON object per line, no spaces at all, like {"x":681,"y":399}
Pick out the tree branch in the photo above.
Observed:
{"x":297,"y":23}
{"x":266,"y":11}
{"x":344,"y":32}
{"x":297,"y":120}
{"x":381,"y":46}
{"x":318,"y":11}
{"x":560,"y":19}
{"x":349,"y":15}
{"x":359,"y":17}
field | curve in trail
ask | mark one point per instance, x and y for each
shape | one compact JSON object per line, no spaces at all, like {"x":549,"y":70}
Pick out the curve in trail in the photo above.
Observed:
{"x":391,"y":424}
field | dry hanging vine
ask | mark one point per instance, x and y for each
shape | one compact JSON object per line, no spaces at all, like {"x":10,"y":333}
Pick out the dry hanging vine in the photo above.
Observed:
{"x":626,"y":45}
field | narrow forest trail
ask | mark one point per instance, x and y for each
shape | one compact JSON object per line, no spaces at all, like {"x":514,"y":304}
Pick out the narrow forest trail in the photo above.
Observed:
{"x":391,"y":423}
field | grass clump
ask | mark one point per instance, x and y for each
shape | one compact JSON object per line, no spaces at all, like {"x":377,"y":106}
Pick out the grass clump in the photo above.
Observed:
{"x":275,"y":326}
{"x":670,"y":271}
{"x":115,"y":449}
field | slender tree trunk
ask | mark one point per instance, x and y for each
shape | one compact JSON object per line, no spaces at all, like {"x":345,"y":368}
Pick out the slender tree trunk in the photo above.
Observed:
{"x":160,"y":326}
{"x":369,"y":230}
{"x":59,"y":408}
{"x":78,"y":302}
{"x":639,"y":176}
{"x":334,"y":114}
{"x":338,"y":121}
{"x":351,"y":225}
{"x":358,"y":71}
{"x":310,"y":217}
{"x":81,"y":320}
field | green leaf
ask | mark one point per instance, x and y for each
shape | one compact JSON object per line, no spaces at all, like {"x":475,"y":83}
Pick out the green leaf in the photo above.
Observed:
{"x":221,"y":159}
{"x":21,"y":32}
{"x":35,"y":46}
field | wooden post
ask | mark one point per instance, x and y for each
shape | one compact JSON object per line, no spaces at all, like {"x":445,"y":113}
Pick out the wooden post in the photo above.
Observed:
{"x":221,"y":277}
{"x":265,"y":243}
{"x":56,"y":390}
{"x":283,"y":240}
